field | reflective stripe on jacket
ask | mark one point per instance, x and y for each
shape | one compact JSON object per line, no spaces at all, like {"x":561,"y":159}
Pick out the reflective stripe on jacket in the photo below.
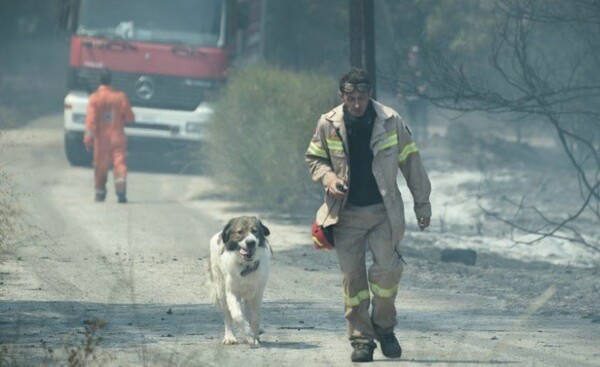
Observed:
{"x":393,"y":149}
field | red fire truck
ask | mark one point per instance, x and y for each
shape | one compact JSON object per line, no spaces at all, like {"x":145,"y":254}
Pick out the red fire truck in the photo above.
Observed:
{"x":169,"y":57}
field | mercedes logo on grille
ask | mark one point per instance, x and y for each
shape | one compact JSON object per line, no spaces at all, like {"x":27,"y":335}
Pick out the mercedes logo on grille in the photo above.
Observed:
{"x":144,"y":88}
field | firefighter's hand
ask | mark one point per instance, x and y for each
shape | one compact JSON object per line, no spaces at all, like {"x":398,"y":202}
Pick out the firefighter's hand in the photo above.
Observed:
{"x":424,"y":222}
{"x":338,"y":188}
{"x":88,"y":141}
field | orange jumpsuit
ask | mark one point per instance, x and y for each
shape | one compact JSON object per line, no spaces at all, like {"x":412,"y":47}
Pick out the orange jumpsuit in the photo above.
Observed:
{"x":107,"y":112}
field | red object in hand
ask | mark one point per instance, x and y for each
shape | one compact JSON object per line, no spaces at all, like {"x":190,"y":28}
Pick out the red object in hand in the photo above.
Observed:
{"x":322,"y":237}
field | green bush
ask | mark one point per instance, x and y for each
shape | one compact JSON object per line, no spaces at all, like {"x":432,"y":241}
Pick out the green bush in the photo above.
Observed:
{"x":259,"y":132}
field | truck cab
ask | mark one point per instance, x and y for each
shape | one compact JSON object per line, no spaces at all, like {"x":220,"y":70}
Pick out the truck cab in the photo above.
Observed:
{"x":170,"y":58}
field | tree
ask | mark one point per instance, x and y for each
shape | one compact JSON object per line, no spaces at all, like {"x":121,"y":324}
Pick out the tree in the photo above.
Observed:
{"x":307,"y":35}
{"x":545,"y":56}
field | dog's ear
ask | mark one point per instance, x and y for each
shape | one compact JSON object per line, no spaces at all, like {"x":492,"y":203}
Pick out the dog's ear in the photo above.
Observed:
{"x":265,"y":230}
{"x":225,"y":234}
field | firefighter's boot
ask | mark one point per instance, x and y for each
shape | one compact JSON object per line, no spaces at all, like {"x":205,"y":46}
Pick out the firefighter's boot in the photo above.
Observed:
{"x":363,"y":352}
{"x":390,"y":346}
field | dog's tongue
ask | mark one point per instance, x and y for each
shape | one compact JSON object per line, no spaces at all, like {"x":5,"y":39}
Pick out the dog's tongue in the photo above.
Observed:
{"x":243,"y":251}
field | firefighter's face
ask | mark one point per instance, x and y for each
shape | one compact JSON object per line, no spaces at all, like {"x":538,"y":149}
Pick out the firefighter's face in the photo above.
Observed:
{"x":356,"y":102}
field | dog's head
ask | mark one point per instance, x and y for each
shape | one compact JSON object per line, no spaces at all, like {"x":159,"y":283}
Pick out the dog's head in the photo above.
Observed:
{"x":245,"y":235}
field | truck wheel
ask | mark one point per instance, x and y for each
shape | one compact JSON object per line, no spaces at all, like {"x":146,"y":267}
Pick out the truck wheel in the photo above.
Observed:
{"x":75,"y":150}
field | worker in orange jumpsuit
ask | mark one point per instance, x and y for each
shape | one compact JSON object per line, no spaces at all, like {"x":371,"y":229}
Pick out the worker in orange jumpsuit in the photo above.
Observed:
{"x":107,"y":112}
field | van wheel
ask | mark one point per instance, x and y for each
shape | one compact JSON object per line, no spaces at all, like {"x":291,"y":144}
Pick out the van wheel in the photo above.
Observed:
{"x":75,"y":150}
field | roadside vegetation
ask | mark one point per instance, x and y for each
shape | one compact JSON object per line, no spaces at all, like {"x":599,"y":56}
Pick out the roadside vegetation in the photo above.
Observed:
{"x":260,"y":130}
{"x":79,"y":348}
{"x":14,"y":227}
{"x":9,"y":201}
{"x":83,"y":350}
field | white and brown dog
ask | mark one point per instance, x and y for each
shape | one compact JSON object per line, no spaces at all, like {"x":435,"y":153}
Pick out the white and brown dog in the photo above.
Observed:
{"x":239,"y":270}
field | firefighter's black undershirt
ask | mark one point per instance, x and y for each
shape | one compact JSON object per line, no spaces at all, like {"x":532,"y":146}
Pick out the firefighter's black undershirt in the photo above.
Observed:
{"x":363,"y":188}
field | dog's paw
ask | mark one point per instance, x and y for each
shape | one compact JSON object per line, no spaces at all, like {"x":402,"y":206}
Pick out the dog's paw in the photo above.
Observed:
{"x":229,"y":340}
{"x":253,"y":342}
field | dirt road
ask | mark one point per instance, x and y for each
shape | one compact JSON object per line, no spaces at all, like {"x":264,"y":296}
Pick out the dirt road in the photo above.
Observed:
{"x":141,"y":268}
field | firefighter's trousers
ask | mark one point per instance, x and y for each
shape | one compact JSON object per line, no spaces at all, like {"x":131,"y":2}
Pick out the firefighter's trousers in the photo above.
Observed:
{"x":106,"y":153}
{"x":359,"y":229}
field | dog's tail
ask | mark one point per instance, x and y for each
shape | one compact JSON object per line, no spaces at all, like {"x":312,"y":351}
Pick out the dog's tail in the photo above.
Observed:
{"x":213,"y":285}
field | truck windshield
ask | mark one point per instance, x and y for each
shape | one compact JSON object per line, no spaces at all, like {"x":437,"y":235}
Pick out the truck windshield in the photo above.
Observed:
{"x":189,"y":22}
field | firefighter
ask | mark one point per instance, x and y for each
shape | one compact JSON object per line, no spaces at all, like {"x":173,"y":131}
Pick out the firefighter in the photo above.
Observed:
{"x":107,"y":112}
{"x":355,"y":153}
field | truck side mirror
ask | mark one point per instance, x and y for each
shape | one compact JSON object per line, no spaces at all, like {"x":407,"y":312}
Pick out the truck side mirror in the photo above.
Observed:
{"x":68,"y":15}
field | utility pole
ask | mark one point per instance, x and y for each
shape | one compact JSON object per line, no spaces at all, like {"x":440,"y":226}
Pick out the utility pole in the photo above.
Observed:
{"x":362,"y":36}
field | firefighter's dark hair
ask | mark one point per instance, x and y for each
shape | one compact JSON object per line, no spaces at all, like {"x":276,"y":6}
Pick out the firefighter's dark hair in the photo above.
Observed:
{"x":355,"y":76}
{"x":105,"y":77}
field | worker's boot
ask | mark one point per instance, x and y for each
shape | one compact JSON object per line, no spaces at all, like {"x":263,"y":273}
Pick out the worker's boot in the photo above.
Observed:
{"x":121,"y":197}
{"x":100,"y":196}
{"x":121,"y":191}
{"x":363,"y":352}
{"x":390,"y":346}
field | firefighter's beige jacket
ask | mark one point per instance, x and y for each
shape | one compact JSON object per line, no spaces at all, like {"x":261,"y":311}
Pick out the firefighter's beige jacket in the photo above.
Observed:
{"x":393,"y":148}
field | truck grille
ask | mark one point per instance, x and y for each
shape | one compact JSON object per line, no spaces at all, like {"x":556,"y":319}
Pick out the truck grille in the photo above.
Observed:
{"x":143,"y":90}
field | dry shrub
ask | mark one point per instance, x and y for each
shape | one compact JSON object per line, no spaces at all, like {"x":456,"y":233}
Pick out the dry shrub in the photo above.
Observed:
{"x":8,"y":117}
{"x":10,"y":211}
{"x":260,"y":130}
